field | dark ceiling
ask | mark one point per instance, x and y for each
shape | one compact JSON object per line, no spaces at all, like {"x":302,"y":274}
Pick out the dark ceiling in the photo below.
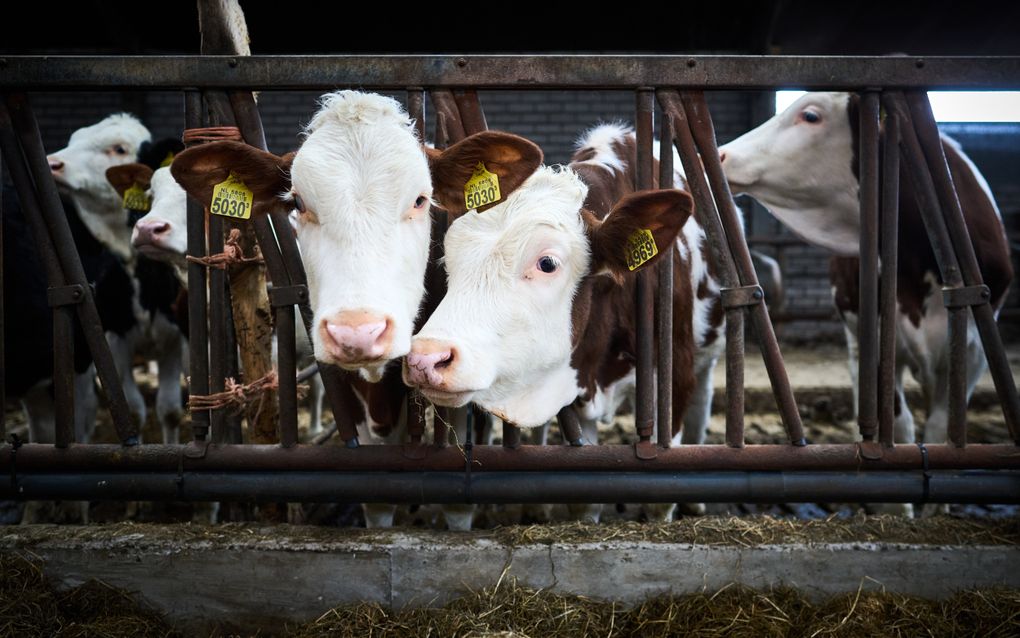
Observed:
{"x":946,"y":27}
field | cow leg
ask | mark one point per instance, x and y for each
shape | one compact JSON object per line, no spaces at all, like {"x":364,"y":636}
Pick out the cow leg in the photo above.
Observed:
{"x":86,"y":404}
{"x":39,"y":408}
{"x":316,"y":393}
{"x":460,"y":516}
{"x":169,"y":407}
{"x":587,"y":512}
{"x":850,"y":331}
{"x":122,"y":348}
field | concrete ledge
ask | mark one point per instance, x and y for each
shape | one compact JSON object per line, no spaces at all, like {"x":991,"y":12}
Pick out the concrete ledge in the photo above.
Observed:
{"x":265,"y":577}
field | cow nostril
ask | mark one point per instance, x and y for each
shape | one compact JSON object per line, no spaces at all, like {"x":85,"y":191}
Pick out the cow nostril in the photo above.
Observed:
{"x":161,"y":228}
{"x":446,"y":361}
{"x":722,"y":156}
{"x":56,"y":165}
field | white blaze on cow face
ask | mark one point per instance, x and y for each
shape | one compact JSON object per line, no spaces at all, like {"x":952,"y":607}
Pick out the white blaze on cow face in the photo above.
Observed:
{"x":80,"y":170}
{"x":362,"y":187}
{"x":513,"y":271}
{"x":162,"y":234}
{"x":798,"y":165}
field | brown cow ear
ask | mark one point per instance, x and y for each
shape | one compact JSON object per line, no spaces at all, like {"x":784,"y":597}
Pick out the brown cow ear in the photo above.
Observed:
{"x":485,"y":160}
{"x":201,"y":168}
{"x":639,"y":230}
{"x":125,"y":176}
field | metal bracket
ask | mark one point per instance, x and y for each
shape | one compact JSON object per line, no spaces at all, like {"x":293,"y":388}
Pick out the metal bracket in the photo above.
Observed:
{"x":870,"y":450}
{"x":288,"y":295}
{"x":966,"y":296}
{"x":741,"y":296}
{"x":645,"y":450}
{"x":65,"y":295}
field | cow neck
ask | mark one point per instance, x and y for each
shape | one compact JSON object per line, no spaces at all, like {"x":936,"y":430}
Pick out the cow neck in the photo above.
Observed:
{"x":102,"y":216}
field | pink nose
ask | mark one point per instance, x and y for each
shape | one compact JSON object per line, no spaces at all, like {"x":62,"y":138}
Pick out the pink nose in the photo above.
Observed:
{"x":356,"y":336}
{"x":150,"y":233}
{"x":55,"y":165}
{"x":429,"y":363}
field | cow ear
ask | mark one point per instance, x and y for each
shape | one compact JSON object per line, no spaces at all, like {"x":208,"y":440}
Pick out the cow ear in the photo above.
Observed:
{"x":494,"y":163}
{"x":125,"y":176}
{"x":201,"y":168}
{"x":639,"y":230}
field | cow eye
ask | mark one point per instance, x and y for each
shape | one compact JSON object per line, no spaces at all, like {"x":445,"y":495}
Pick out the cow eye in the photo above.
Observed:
{"x":421,"y":201}
{"x":547,"y":264}
{"x":120,"y":150}
{"x":299,"y":204}
{"x":810,"y":117}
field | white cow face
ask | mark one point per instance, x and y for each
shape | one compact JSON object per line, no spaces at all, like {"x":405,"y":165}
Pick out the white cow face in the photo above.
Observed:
{"x":80,"y":170}
{"x":504,"y":334}
{"x":799,"y":166}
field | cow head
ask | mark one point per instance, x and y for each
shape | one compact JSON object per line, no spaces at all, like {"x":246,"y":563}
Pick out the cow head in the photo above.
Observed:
{"x":162,"y":233}
{"x":799,"y":165}
{"x":504,"y":334}
{"x":80,"y":171}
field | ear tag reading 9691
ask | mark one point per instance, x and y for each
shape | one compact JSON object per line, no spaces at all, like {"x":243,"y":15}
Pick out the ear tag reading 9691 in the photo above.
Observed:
{"x":135,"y":198}
{"x":482,"y":188}
{"x":231,"y":198}
{"x":640,"y":248}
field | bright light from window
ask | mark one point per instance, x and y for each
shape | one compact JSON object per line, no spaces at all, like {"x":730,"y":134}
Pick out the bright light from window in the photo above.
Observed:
{"x":952,"y":106}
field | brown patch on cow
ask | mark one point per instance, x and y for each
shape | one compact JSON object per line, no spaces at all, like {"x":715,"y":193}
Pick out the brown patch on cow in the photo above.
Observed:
{"x":662,"y":212}
{"x":511,"y":157}
{"x":200,"y":168}
{"x":383,"y":399}
{"x":125,"y":176}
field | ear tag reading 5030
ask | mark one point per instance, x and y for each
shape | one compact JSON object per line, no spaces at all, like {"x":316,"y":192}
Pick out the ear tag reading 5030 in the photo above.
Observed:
{"x":231,"y":198}
{"x":640,"y":248}
{"x":482,"y":188}
{"x":136,"y":199}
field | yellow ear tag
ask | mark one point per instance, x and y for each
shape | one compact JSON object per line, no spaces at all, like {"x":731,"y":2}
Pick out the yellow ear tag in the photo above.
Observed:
{"x":231,"y":198}
{"x":167,"y":161}
{"x":136,"y":199}
{"x":482,"y":188}
{"x":640,"y":248}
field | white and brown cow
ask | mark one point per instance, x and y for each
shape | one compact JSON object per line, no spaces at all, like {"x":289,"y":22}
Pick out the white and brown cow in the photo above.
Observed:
{"x":540,"y":307}
{"x":362,"y":189}
{"x":802,"y":166}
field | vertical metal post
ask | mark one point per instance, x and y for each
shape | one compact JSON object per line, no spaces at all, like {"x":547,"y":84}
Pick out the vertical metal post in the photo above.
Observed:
{"x":719,"y":253}
{"x":287,"y":373}
{"x":63,"y":374}
{"x":470,"y":109}
{"x":3,"y":358}
{"x":867,"y":317}
{"x":198,"y":328}
{"x":416,"y":109}
{"x":218,"y":299}
{"x":889,"y":266}
{"x":704,"y":135}
{"x":26,"y":127}
{"x":415,"y":406}
{"x":644,"y":412}
{"x":984,"y":317}
{"x":664,"y":309}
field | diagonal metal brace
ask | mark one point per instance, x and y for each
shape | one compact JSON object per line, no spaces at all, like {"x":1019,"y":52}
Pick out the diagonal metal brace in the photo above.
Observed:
{"x":280,"y":296}
{"x":966,"y":296}
{"x":71,"y":295}
{"x":741,"y":296}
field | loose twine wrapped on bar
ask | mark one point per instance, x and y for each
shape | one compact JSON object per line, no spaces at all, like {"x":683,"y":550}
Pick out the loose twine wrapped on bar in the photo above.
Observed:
{"x":233,"y":254}
{"x":239,"y":396}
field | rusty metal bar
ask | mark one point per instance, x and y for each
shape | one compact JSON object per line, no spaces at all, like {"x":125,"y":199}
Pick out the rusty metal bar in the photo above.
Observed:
{"x":198,"y":327}
{"x":217,"y":313}
{"x":846,"y":457}
{"x":395,"y":72}
{"x":415,"y":403}
{"x":704,"y":136}
{"x":536,"y":487}
{"x":719,"y":254}
{"x":867,"y":316}
{"x":664,"y":309}
{"x":441,"y":427}
{"x":18,"y":113}
{"x":511,"y":436}
{"x":447,"y":113}
{"x":63,"y":375}
{"x":889,"y":245}
{"x":287,"y":375}
{"x":416,"y":109}
{"x":998,"y":363}
{"x":470,"y":109}
{"x":644,"y":401}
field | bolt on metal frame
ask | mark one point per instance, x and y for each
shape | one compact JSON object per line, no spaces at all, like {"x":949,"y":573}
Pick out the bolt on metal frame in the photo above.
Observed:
{"x":676,"y":83}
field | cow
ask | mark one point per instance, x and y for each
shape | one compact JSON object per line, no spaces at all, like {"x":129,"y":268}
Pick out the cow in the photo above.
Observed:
{"x":802,"y":166}
{"x":361,"y":187}
{"x":539,"y":312}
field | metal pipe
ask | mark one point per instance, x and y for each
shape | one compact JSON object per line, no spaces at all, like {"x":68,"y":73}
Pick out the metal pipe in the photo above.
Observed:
{"x":395,"y":72}
{"x":704,"y":136}
{"x":847,"y":457}
{"x":416,"y":109}
{"x":217,"y":314}
{"x":889,"y":245}
{"x":867,"y":322}
{"x":644,"y":300}
{"x":998,"y":363}
{"x":447,"y":111}
{"x":287,"y":375}
{"x":537,"y":487}
{"x":198,"y":327}
{"x":470,"y":109}
{"x":27,"y":130}
{"x":664,"y":309}
{"x":63,"y":375}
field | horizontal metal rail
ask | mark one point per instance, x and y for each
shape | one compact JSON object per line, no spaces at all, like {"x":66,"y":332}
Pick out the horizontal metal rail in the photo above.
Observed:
{"x":528,"y":487}
{"x":494,"y":458}
{"x":505,"y":72}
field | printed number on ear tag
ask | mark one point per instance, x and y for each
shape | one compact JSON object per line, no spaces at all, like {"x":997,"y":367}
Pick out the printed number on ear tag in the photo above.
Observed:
{"x":231,"y":198}
{"x":136,"y":199}
{"x":640,"y":248}
{"x":482,"y":188}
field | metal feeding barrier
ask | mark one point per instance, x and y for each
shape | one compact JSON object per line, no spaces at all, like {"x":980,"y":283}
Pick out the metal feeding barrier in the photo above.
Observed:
{"x":215,"y":465}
